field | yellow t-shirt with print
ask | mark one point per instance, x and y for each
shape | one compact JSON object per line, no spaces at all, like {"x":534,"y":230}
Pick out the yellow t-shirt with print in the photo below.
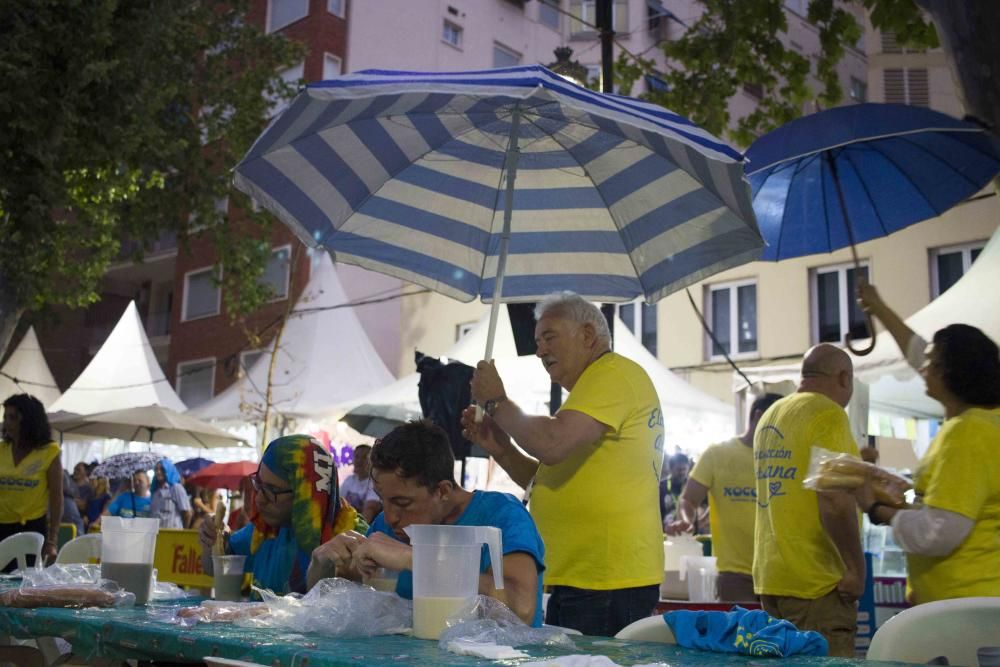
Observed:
{"x":726,"y":469}
{"x":961,"y":473}
{"x":793,"y":555}
{"x":24,"y":488}
{"x":598,"y":511}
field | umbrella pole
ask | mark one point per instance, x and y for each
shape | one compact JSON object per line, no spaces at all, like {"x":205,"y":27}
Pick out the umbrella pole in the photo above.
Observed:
{"x":510,"y":166}
{"x":832,"y":163}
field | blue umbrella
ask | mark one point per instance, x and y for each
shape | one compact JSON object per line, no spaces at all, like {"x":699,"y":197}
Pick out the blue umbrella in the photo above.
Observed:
{"x":188,"y":467}
{"x":413,"y":175}
{"x":855,"y":173}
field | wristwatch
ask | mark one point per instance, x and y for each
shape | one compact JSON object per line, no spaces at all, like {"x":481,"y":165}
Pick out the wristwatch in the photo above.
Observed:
{"x":490,"y":406}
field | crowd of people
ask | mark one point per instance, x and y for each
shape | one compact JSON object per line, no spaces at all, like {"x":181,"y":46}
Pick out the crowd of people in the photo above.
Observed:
{"x":598,"y":497}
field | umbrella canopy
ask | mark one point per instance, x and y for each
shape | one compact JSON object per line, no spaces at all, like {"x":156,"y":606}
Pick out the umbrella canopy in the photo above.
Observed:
{"x":223,"y":475}
{"x":188,"y":467}
{"x":121,"y":466}
{"x":504,"y":184}
{"x":377,"y":420}
{"x":889,"y":165}
{"x":152,"y":423}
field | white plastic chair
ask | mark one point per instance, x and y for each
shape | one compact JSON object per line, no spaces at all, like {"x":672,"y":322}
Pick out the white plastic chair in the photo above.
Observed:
{"x":83,"y":549}
{"x":19,"y":546}
{"x":650,"y":629}
{"x":952,"y":629}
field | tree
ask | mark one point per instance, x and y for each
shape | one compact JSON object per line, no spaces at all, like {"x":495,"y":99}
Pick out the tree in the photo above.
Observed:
{"x":736,"y":43}
{"x":122,"y":119}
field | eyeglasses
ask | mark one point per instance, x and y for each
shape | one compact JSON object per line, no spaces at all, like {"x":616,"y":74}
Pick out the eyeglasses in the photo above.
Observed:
{"x":270,"y":492}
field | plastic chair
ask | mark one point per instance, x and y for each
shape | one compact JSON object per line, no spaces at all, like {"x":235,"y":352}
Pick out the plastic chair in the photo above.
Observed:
{"x":83,"y":549}
{"x":951,"y":629}
{"x":651,"y":629}
{"x":19,"y":546}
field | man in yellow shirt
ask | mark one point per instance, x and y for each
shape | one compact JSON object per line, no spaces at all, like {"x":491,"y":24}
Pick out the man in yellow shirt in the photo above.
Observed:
{"x":604,"y":550}
{"x":808,"y":565}
{"x":724,"y":473}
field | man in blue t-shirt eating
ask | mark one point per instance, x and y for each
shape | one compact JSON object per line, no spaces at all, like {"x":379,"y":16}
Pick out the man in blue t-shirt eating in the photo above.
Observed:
{"x":413,"y":473}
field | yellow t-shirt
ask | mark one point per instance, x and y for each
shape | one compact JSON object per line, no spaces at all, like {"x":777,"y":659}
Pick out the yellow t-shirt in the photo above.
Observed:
{"x":793,"y":555}
{"x":961,"y":473}
{"x":24,"y":489}
{"x":727,"y":470}
{"x":598,"y":511}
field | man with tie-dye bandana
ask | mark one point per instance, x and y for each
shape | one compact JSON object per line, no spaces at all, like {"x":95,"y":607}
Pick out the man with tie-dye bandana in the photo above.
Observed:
{"x":297,"y":507}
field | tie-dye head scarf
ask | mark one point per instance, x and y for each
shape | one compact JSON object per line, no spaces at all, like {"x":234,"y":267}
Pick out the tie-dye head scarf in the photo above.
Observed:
{"x":318,"y":511}
{"x":169,"y":472}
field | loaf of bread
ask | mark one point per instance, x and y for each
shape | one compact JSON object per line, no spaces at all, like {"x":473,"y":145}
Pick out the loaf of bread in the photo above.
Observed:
{"x":848,"y":473}
{"x":57,"y":596}
{"x":227,"y":613}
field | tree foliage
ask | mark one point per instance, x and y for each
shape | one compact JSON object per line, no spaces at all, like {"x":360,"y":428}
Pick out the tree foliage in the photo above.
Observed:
{"x":742,"y":43}
{"x":122,"y":119}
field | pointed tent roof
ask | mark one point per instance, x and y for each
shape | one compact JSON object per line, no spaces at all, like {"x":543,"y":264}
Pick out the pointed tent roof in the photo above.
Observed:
{"x":325,"y":358}
{"x":27,"y":373}
{"x":123,"y":374}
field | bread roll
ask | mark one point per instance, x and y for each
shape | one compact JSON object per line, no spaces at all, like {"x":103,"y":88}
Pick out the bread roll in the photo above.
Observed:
{"x":836,"y":480}
{"x":57,"y":596}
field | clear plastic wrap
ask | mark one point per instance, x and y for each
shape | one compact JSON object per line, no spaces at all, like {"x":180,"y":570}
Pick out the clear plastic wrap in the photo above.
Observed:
{"x":209,"y":611}
{"x":489,"y":621}
{"x":73,"y":586}
{"x":834,"y":471}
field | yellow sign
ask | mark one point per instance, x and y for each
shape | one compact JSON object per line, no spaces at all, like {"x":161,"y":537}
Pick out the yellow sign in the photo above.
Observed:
{"x":178,"y":558}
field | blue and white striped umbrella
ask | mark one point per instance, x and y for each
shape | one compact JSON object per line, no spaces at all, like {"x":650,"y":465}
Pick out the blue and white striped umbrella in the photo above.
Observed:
{"x":413,"y":175}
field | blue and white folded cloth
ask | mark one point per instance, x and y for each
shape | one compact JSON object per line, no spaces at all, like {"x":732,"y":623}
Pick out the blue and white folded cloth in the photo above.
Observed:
{"x":743,"y":631}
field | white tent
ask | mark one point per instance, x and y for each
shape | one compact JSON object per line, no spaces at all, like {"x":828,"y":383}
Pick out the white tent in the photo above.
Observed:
{"x":27,"y":373}
{"x":895,"y":388}
{"x":324,"y":358}
{"x":692,"y":418}
{"x":123,"y":374}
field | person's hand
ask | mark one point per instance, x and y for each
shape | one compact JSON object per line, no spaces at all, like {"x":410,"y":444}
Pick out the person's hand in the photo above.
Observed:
{"x":851,"y":586}
{"x":678,"y":527}
{"x":864,"y":495}
{"x":486,"y":383}
{"x":49,"y":551}
{"x":338,"y":552}
{"x":868,"y":298}
{"x":380,"y":550}
{"x":487,"y":433}
{"x":208,"y":532}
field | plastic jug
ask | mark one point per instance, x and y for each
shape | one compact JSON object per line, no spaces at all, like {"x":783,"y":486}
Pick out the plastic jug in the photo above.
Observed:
{"x":676,"y":548}
{"x":127,"y":549}
{"x":701,"y":573}
{"x":446,"y":571}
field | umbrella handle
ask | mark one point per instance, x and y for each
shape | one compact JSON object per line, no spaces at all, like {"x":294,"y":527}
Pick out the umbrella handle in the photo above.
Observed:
{"x":863,"y":351}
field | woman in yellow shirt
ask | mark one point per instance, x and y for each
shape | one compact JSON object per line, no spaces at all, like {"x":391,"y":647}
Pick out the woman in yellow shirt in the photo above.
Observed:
{"x":951,"y":539}
{"x":31,"y":474}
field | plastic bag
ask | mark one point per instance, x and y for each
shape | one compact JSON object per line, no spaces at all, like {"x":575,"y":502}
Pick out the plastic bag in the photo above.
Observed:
{"x":335,"y":608}
{"x":164,"y":590}
{"x":209,"y":611}
{"x":834,"y":471}
{"x":489,"y":621}
{"x":74,"y":586}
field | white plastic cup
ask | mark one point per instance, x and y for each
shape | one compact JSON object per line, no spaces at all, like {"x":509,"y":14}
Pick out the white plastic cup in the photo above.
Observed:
{"x":701,"y":573}
{"x":227,"y":577}
{"x":384,"y":580}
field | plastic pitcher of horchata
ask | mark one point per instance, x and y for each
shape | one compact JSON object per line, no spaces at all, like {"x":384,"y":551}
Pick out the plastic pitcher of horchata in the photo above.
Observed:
{"x":446,"y":571}
{"x":127,"y":549}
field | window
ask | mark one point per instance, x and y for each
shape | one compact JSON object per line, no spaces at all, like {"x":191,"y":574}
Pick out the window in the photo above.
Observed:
{"x":452,"y":34}
{"x":335,"y":7}
{"x":906,"y":86}
{"x":859,"y":90}
{"x":504,"y":57}
{"x":949,"y":264}
{"x":247,"y":359}
{"x":646,"y":325}
{"x":732,"y":316}
{"x":462,"y":329}
{"x":202,"y":296}
{"x":276,"y":272}
{"x":800,"y":7}
{"x":585,"y":12}
{"x":281,"y":13}
{"x":332,"y":66}
{"x":835,"y":309}
{"x":196,"y":381}
{"x":292,"y":76}
{"x":548,"y":13}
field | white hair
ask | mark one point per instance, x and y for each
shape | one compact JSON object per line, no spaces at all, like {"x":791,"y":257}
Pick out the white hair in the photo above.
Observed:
{"x":575,"y":308}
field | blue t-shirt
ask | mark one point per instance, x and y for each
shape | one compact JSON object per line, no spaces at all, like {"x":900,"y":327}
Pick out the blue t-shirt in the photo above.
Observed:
{"x":272,"y":564}
{"x":488,"y":508}
{"x":123,"y":505}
